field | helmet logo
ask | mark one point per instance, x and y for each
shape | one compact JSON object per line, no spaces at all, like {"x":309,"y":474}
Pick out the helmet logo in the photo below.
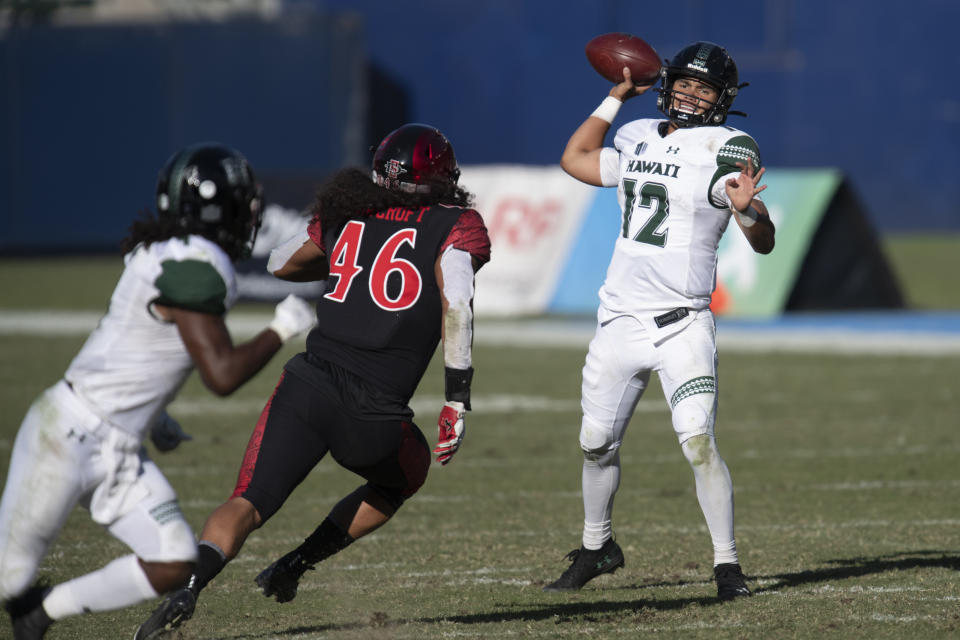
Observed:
{"x":191,"y":175}
{"x":394,"y":169}
{"x":699,"y":62}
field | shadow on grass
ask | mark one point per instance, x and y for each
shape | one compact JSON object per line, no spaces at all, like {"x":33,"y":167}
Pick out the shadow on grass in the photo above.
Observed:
{"x":862,"y":566}
{"x":568,"y":611}
{"x":590,"y":611}
{"x":643,"y":608}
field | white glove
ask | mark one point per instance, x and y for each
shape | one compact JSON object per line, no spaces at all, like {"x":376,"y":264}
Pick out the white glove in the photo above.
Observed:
{"x":450,"y":431}
{"x":292,"y":316}
{"x":166,"y":433}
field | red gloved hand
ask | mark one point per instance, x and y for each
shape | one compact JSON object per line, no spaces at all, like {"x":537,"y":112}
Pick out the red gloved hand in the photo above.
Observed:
{"x":451,"y":430}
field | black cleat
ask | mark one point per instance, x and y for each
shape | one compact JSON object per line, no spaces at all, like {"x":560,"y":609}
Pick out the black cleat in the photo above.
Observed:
{"x":587,"y":564}
{"x":176,"y":609}
{"x":281,"y":578}
{"x":730,"y":582}
{"x":29,"y":618}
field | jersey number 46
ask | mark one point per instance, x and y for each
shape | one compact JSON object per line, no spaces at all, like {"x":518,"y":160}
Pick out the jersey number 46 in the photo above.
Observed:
{"x":345,"y":265}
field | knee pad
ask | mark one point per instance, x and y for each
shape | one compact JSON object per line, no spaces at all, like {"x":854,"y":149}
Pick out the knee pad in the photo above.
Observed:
{"x":597,"y":440}
{"x":694,"y":415}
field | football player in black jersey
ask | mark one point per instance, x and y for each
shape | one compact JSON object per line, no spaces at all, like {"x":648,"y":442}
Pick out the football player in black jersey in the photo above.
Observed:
{"x":398,"y":250}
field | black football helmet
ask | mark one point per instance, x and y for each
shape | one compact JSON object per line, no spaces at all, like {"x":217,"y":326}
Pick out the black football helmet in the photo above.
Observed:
{"x":414,"y":158}
{"x":709,"y":63}
{"x":210,"y":190}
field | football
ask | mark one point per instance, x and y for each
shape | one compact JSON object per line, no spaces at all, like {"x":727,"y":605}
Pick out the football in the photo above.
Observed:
{"x":611,"y":52}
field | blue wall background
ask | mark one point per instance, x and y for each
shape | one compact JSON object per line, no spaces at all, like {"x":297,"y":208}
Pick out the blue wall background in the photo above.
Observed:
{"x":869,"y":87}
{"x":88,"y":114}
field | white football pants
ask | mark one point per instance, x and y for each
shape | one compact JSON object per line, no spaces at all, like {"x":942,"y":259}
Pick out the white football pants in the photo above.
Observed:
{"x":619,"y":362}
{"x":61,"y":459}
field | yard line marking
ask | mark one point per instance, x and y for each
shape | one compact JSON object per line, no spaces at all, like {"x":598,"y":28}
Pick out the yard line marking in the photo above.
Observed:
{"x":482,"y":571}
{"x":421,"y":404}
{"x":847,"y":452}
{"x":813,"y":526}
{"x":574,"y":334}
{"x":883,"y":617}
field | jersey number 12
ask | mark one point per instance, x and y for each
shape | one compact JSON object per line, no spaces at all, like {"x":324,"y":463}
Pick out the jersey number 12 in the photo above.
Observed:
{"x":652,"y":196}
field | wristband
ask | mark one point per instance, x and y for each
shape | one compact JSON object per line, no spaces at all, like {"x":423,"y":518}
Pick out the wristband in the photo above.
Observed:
{"x":608,"y":109}
{"x":747,"y":218}
{"x":456,"y":387}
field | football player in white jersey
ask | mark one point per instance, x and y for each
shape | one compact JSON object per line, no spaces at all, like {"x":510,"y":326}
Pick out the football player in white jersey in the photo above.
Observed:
{"x":81,"y":440}
{"x":679,"y":181}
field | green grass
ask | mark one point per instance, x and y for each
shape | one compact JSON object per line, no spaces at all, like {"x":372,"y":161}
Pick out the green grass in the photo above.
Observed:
{"x":71,"y":282}
{"x":844,"y":469}
{"x":924,"y":265}
{"x":846,"y":489}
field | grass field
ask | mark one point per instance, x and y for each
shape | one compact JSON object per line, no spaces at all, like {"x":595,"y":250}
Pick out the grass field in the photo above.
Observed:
{"x":846,"y":489}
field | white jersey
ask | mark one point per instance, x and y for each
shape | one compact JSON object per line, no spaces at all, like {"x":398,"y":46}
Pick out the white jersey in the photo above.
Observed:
{"x":134,"y":362}
{"x":674,"y":211}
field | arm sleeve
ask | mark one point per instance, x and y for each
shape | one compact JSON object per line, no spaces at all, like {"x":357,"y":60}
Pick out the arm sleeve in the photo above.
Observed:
{"x":457,"y":268}
{"x":281,"y":254}
{"x":469,"y":234}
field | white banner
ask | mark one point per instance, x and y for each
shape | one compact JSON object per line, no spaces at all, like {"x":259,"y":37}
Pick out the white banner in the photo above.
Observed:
{"x":533,"y":215}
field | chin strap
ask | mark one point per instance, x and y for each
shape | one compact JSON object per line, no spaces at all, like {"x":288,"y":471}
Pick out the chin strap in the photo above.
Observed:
{"x":742,"y":114}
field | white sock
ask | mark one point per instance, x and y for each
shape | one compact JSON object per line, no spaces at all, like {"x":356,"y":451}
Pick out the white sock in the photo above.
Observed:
{"x":601,"y":479}
{"x":121,"y":583}
{"x":727,"y":553}
{"x":715,"y":494}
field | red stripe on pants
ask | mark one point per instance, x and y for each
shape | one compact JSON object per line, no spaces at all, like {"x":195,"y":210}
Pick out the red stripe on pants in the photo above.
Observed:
{"x":253,"y":447}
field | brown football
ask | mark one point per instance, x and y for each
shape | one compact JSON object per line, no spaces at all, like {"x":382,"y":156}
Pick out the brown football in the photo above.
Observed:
{"x":611,"y":52}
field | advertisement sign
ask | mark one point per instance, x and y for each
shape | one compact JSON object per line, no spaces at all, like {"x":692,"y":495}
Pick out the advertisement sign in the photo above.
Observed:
{"x":533,"y":215}
{"x":750,"y":284}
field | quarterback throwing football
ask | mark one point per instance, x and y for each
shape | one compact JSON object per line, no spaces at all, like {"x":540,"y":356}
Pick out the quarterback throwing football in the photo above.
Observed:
{"x":679,"y":181}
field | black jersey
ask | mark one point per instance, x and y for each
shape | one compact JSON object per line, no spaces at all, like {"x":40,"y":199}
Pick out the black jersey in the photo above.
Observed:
{"x":380,"y":317}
